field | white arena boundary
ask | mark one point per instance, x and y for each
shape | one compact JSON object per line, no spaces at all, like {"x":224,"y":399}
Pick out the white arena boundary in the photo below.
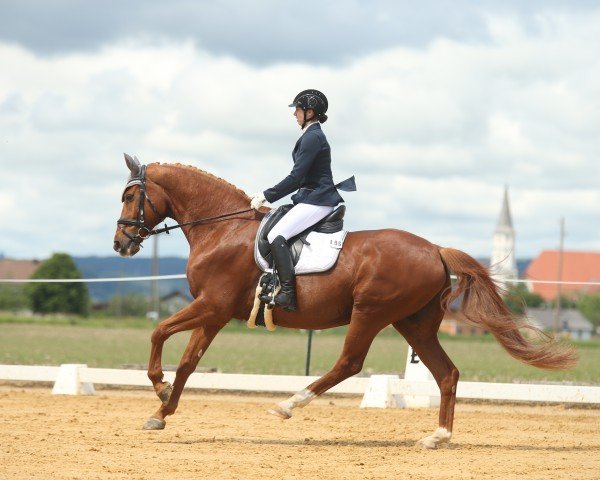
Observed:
{"x":577,"y":394}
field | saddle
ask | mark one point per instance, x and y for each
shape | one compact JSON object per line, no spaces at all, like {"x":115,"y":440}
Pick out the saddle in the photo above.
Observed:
{"x":332,"y":223}
{"x":316,"y":249}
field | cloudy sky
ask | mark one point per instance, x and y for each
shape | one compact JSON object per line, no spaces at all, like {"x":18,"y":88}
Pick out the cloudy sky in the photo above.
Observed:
{"x":434,"y":106}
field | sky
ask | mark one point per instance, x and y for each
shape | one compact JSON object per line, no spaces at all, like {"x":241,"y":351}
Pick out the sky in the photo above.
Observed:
{"x":435,"y":106}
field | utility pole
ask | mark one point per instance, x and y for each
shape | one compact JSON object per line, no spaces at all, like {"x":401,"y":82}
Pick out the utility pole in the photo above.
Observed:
{"x":155,"y":297}
{"x":561,"y":246}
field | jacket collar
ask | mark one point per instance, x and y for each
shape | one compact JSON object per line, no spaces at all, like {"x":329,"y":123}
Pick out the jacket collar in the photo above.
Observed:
{"x":312,"y":125}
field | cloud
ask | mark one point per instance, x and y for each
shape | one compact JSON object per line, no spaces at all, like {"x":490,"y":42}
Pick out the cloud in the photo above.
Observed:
{"x":432,"y":133}
{"x":262,"y":32}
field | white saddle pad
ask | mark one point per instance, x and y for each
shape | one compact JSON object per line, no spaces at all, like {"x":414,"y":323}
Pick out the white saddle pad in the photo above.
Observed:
{"x":319,"y":256}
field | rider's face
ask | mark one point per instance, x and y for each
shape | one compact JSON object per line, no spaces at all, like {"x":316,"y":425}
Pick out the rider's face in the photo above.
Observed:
{"x":299,"y":114}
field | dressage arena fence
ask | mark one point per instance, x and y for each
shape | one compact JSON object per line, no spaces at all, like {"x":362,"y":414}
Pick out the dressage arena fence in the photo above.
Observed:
{"x":381,"y":391}
{"x":417,"y":389}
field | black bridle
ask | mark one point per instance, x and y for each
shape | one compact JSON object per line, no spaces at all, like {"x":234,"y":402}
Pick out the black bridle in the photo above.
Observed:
{"x":143,"y":231}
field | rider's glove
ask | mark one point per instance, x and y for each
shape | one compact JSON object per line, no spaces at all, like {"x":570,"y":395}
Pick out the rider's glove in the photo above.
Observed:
{"x":257,"y":200}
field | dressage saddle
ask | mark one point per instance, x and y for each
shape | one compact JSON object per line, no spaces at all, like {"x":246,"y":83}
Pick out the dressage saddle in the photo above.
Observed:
{"x":332,"y":223}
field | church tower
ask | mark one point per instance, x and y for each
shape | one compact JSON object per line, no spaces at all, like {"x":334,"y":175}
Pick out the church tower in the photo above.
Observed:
{"x":503,"y":263}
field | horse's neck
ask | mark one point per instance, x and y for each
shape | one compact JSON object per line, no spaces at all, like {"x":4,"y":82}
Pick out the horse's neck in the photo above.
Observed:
{"x":194,"y":194}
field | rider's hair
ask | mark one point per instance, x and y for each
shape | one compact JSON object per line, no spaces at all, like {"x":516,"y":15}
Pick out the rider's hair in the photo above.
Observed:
{"x":322,"y":118}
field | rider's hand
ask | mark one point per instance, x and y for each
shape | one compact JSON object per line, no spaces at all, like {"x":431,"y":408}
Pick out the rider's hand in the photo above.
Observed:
{"x":257,"y":200}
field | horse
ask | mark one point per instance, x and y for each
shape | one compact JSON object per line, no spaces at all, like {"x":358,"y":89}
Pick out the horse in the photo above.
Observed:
{"x":382,"y":277}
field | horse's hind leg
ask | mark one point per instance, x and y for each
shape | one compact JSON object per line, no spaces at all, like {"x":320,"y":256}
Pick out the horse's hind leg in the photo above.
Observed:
{"x":360,"y":335}
{"x":420,"y":330}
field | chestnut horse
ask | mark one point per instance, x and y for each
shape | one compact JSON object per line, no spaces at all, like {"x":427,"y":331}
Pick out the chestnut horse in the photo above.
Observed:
{"x":382,"y":277}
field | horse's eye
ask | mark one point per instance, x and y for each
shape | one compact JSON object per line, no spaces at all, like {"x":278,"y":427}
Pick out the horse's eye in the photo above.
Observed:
{"x":129,"y":197}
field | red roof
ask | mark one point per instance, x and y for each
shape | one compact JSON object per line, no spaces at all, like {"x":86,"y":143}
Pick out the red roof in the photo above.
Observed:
{"x":17,"y":269}
{"x":577,"y":267}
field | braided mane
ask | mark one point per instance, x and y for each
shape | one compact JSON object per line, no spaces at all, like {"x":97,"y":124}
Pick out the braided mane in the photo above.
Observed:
{"x":205,"y":173}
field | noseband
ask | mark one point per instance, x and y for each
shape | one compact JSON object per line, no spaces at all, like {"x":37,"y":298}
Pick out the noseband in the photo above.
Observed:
{"x":143,"y":231}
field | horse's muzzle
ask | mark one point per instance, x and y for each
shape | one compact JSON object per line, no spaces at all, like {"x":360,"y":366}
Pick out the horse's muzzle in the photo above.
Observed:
{"x":126,"y":249}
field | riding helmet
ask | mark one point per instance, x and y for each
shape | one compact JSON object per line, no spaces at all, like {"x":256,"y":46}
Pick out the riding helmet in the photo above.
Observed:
{"x":311,"y":99}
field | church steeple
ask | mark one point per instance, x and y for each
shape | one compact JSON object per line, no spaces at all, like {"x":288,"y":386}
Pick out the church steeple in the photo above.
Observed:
{"x":505,"y":219}
{"x":503,"y":263}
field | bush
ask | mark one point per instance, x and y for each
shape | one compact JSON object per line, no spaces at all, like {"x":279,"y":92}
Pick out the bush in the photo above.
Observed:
{"x":128,"y":305}
{"x":12,"y":297}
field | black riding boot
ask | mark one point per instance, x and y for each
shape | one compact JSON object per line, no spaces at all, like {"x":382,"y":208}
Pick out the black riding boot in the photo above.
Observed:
{"x":282,"y":258}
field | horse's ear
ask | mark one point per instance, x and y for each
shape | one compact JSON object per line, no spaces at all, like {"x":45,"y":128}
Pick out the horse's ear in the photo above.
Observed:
{"x":133,"y":164}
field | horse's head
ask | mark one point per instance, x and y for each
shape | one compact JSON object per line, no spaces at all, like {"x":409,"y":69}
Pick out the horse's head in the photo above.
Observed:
{"x":144,"y":206}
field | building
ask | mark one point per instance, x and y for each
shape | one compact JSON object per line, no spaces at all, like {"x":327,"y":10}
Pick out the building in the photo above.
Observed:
{"x":503,"y":263}
{"x":576,"y":267}
{"x":570,"y":322}
{"x":17,"y":269}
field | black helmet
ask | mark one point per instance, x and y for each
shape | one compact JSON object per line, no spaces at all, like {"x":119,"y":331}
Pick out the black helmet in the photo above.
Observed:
{"x":311,"y":99}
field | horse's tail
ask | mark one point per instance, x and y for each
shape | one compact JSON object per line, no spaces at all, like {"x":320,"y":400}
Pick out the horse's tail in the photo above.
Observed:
{"x":482,"y":306}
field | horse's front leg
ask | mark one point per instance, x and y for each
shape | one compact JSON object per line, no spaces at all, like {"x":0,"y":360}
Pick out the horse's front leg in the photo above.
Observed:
{"x":199,"y":342}
{"x":185,"y":319}
{"x":195,"y":315}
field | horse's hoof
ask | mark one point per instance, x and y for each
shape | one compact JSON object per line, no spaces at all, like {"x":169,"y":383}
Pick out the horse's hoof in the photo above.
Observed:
{"x":280,"y":412}
{"x":427,"y":443}
{"x":165,"y":393}
{"x":154,"y":424}
{"x":441,"y":435}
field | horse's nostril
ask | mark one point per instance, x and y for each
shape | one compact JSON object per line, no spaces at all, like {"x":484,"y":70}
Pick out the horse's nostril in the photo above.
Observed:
{"x":116,"y":246}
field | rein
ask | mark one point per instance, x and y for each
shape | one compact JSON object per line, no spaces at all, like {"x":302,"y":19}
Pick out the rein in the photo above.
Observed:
{"x":143,"y":231}
{"x":195,"y":222}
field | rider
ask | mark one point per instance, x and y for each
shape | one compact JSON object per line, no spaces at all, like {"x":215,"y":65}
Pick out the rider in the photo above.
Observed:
{"x":316,"y":196}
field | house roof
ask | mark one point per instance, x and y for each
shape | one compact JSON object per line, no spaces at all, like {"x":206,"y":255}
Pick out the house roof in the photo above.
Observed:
{"x":570,"y":319}
{"x":17,"y":269}
{"x":577,"y":267}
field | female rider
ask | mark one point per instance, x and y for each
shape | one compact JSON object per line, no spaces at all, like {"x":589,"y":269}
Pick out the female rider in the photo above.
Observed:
{"x":316,"y":196}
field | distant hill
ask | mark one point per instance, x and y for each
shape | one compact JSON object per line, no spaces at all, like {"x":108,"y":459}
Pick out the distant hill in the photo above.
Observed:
{"x":103,"y":267}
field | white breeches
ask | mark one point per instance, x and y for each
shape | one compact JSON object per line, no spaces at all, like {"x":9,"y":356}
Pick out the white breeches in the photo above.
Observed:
{"x":298,"y":219}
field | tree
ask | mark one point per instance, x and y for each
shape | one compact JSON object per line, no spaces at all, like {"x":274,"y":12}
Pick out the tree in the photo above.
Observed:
{"x":518,"y":297}
{"x":589,"y":306}
{"x":58,"y":297}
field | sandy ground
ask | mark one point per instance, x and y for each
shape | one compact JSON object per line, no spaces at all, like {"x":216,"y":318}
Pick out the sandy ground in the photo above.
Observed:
{"x":231,"y":437}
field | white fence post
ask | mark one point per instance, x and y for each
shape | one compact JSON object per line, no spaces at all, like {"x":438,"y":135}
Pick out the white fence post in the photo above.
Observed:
{"x":68,"y":381}
{"x":416,"y":371}
{"x":379,"y":392}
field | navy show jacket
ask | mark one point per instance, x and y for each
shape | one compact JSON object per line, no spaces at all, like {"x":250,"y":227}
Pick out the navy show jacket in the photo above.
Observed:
{"x":311,"y":174}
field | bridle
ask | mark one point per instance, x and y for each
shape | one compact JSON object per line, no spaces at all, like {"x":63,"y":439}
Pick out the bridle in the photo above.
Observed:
{"x":143,"y":231}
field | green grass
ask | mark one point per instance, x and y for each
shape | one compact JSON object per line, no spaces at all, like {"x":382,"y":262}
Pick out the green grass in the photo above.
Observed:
{"x":112,"y":343}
